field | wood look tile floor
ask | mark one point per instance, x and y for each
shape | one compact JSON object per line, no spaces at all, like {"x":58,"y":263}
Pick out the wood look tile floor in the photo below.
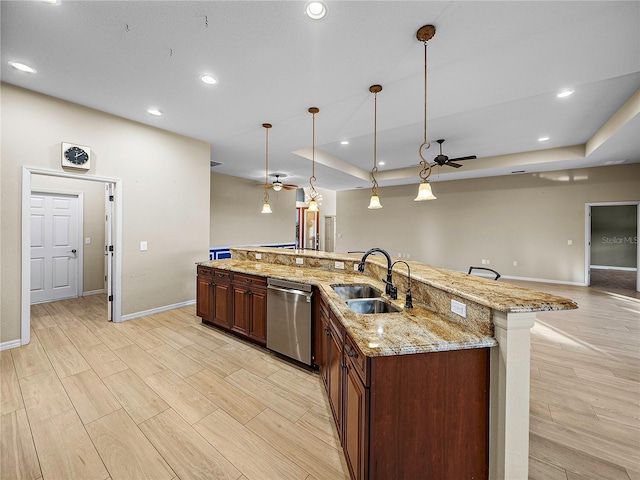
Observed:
{"x":163,"y":397}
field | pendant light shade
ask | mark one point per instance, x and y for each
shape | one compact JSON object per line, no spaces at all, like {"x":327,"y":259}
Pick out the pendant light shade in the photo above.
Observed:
{"x":266,"y":208}
{"x":313,"y":204}
{"x":425,"y":34}
{"x":424,"y":192}
{"x":374,"y":203}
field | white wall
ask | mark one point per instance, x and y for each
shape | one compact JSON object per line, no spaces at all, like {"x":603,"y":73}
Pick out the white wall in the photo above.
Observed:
{"x":165,"y":179}
{"x":526,"y":218}
{"x":236,"y":204}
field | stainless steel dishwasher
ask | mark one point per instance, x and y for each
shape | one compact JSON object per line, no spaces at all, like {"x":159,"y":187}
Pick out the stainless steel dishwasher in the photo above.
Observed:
{"x":289,"y":319}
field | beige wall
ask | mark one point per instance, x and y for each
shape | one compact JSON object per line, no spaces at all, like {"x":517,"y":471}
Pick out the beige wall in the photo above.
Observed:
{"x":236,"y":204}
{"x":93,"y":223}
{"x":165,"y":180}
{"x":526,"y":218}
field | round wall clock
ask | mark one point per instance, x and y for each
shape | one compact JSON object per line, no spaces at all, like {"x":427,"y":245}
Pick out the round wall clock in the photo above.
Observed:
{"x":76,"y":156}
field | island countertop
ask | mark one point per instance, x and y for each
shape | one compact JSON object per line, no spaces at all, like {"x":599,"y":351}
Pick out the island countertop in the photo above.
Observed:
{"x":417,"y":330}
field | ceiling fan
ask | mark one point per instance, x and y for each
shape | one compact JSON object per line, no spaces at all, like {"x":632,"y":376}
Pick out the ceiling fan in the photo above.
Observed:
{"x":277,"y":185}
{"x":444,"y":160}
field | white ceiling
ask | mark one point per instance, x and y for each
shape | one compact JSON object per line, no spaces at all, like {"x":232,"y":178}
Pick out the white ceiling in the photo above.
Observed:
{"x":494,"y":71}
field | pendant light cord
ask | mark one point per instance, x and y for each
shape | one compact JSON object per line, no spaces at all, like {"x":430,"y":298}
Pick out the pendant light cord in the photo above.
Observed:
{"x":426,"y":168}
{"x":266,"y":126}
{"x":312,"y":191}
{"x":375,"y":89}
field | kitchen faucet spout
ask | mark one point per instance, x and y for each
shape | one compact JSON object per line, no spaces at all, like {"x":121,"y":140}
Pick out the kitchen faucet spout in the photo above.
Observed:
{"x":390,"y":289}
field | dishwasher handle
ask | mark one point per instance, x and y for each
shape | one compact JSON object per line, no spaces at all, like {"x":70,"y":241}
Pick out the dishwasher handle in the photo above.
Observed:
{"x":291,"y":292}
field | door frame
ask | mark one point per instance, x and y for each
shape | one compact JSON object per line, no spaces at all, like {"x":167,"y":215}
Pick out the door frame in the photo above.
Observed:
{"x":587,"y":238}
{"x":25,"y":304}
{"x":80,"y":239}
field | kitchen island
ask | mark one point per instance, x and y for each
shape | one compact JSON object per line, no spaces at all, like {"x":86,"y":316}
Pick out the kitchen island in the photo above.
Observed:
{"x":418,"y":390}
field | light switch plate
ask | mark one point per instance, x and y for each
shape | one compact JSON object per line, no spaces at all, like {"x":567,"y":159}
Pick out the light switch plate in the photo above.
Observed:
{"x":143,"y":246}
{"x":339,"y":265}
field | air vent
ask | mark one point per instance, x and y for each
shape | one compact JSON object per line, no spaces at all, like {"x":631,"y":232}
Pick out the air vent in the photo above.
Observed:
{"x":215,"y":164}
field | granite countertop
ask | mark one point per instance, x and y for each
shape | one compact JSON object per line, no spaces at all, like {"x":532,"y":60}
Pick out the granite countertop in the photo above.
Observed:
{"x":416,"y":330}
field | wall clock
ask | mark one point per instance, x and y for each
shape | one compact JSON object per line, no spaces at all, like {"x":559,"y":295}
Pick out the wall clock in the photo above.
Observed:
{"x":76,"y":156}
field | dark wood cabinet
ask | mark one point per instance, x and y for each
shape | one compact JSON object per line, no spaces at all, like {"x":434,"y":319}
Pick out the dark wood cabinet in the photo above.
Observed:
{"x":204,"y":294}
{"x":221,"y":289}
{"x":335,"y":367}
{"x":234,"y":302}
{"x":355,"y":422}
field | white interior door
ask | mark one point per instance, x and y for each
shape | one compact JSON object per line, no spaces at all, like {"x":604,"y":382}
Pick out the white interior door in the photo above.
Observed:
{"x":54,"y":247}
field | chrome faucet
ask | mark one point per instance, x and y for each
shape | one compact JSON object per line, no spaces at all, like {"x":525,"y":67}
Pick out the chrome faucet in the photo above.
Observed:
{"x":390,"y":289}
{"x":408,"y":303}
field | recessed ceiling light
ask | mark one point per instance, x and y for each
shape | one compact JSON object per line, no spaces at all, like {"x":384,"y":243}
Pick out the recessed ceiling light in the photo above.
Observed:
{"x":565,"y":93}
{"x":315,"y":10}
{"x":22,"y":67}
{"x":543,"y":139}
{"x":381,"y":163}
{"x":52,"y":2}
{"x":344,"y":142}
{"x":154,"y":111}
{"x":208,"y":79}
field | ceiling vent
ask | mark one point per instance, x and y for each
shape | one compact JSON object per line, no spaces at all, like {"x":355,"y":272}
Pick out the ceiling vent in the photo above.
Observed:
{"x":215,"y":164}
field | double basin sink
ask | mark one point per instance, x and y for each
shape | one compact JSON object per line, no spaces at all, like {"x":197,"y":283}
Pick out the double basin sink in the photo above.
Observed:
{"x":363,"y":298}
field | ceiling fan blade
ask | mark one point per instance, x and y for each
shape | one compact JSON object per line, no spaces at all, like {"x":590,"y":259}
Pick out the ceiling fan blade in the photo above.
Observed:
{"x":288,"y":186}
{"x":470,"y":157}
{"x":454,"y":165}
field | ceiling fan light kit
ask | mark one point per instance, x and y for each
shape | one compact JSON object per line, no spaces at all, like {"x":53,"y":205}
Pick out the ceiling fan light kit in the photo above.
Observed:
{"x":374,"y":203}
{"x":425,"y":34}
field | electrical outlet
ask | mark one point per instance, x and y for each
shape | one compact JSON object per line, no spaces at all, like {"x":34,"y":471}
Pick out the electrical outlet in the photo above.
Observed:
{"x":515,"y":263}
{"x":569,"y":242}
{"x":488,"y":262}
{"x":258,"y":256}
{"x":339,"y":265}
{"x":355,"y":267}
{"x":87,"y":241}
{"x":299,"y":260}
{"x":399,"y":255}
{"x":143,"y":246}
{"x":459,"y":308}
{"x":484,"y":261}
{"x":408,"y":255}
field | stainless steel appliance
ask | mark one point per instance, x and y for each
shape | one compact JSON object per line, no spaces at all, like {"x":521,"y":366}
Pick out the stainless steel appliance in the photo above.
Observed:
{"x":289,"y":319}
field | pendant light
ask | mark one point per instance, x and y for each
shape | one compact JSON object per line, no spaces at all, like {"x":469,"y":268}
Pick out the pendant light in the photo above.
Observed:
{"x":313,"y":204}
{"x":266,"y":208}
{"x":374,"y":203}
{"x":425,"y":34}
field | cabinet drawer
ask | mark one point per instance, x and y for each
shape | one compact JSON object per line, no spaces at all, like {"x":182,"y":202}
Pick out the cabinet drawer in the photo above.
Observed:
{"x":358,"y":360}
{"x":249,"y":280}
{"x":221,"y":275}
{"x":205,"y":271}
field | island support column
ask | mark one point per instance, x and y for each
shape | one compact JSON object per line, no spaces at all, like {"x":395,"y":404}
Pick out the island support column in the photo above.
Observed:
{"x":509,"y":396}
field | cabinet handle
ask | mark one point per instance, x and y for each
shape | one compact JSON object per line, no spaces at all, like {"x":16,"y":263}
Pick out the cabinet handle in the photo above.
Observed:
{"x":344,"y":365}
{"x":351,"y":353}
{"x":326,"y":331}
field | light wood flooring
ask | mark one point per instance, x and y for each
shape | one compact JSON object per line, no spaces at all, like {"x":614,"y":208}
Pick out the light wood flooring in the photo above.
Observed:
{"x":162,"y":397}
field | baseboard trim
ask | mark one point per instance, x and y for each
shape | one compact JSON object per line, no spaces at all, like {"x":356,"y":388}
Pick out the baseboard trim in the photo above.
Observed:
{"x":93,"y":292}
{"x":153,"y":311}
{"x":10,"y":344}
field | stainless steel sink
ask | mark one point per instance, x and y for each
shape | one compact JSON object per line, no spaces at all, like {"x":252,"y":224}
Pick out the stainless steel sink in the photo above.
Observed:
{"x":348,"y":292}
{"x":371,"y":305}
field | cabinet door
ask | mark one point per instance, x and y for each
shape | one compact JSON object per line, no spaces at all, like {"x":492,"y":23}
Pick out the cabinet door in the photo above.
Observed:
{"x":204,"y":298}
{"x":322,"y":345}
{"x":355,"y":420}
{"x":335,"y":367}
{"x":221,"y":304}
{"x":258,"y":316}
{"x":241,"y":309}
